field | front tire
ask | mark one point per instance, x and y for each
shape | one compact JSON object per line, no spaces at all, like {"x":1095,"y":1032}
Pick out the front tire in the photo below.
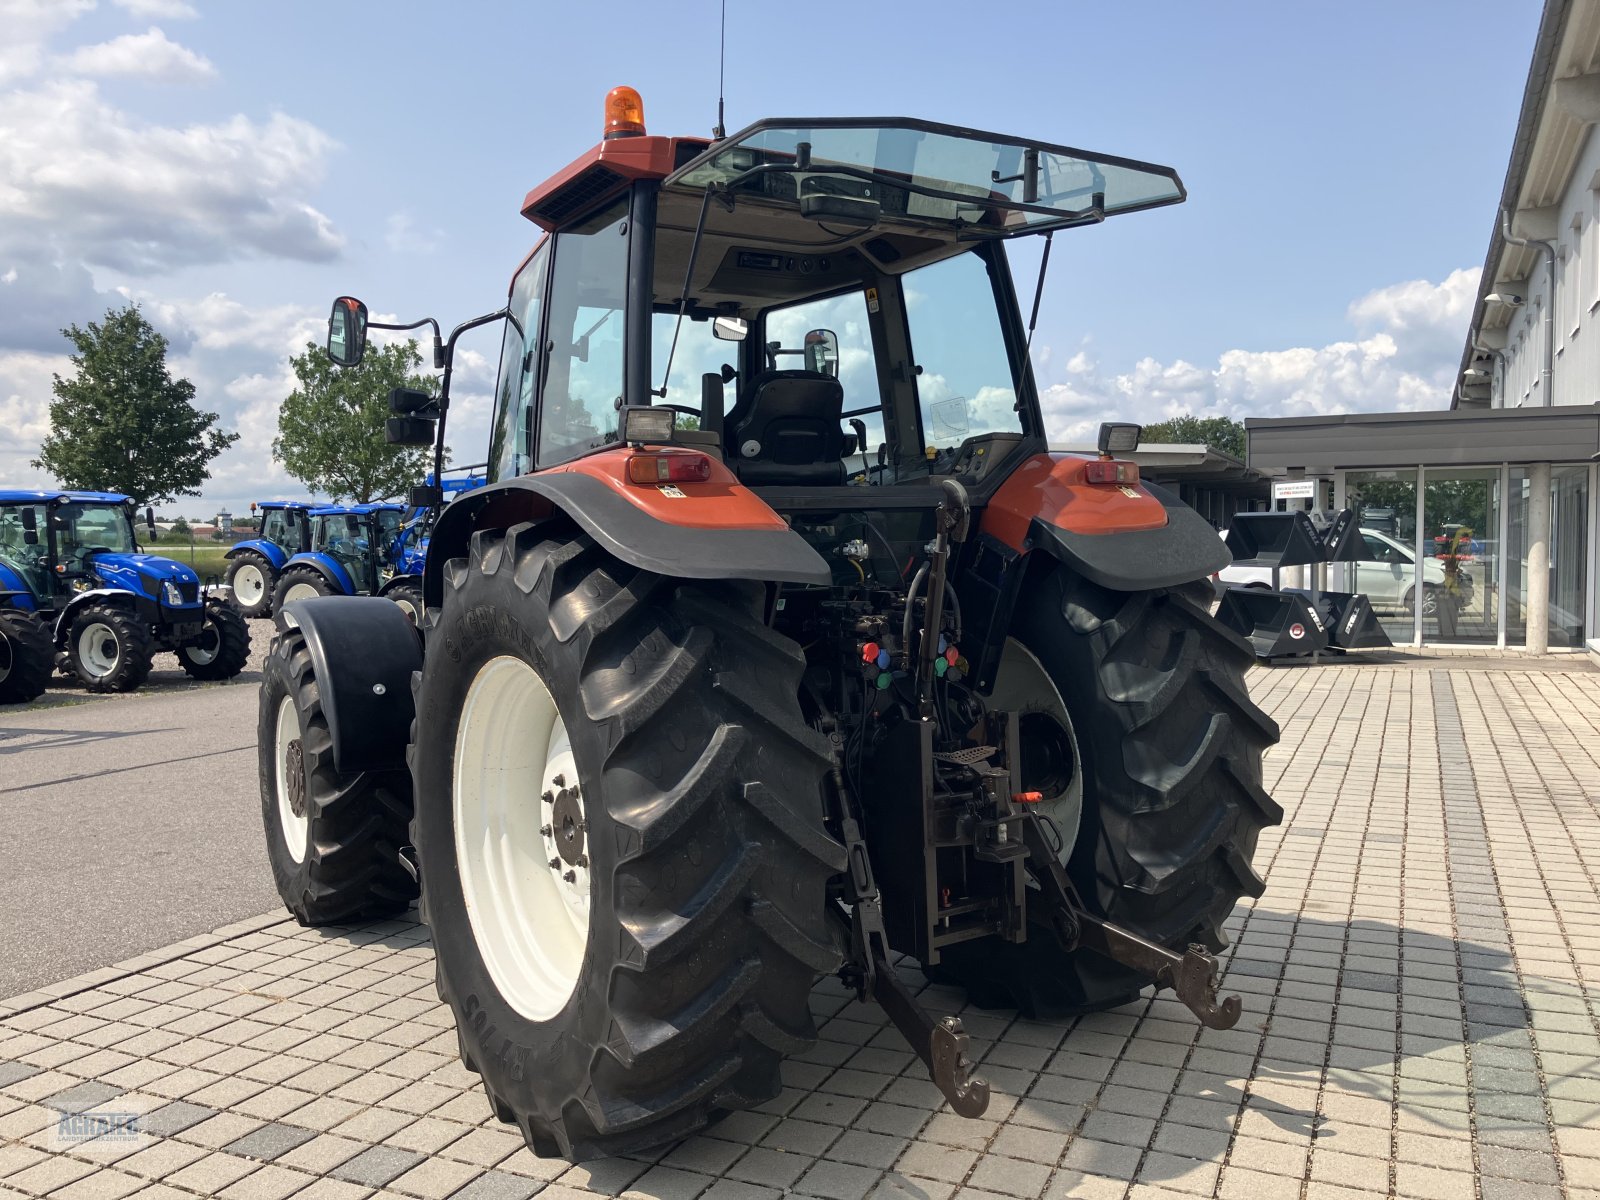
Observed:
{"x":333,"y":839}
{"x":108,"y":649}
{"x":252,"y":578}
{"x":299,"y":583}
{"x":222,"y":648}
{"x":409,"y":597}
{"x":694,"y":926}
{"x":27,"y":656}
{"x":1169,"y":748}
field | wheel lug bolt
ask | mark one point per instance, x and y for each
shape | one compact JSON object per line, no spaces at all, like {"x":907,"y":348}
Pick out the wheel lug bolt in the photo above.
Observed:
{"x":555,"y":864}
{"x":559,"y":780}
{"x":571,"y":877}
{"x":544,"y":831}
{"x":549,"y":797}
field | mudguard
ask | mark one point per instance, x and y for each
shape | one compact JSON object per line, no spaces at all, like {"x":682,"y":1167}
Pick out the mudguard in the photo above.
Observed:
{"x":327,"y":566}
{"x":270,"y":551}
{"x":363,"y":650}
{"x":141,"y":606}
{"x":1129,"y":539}
{"x":14,"y":592}
{"x":715,"y":529}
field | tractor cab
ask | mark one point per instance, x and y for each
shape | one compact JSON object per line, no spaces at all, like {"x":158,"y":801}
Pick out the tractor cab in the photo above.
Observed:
{"x":54,"y":545}
{"x":360,"y":539}
{"x":285,"y":524}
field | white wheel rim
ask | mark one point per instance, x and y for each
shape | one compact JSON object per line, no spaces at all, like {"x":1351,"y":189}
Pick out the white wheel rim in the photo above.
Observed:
{"x":300,"y":591}
{"x":249,"y":584}
{"x":1022,"y":685}
{"x":290,"y":772}
{"x":98,"y":650}
{"x":530,"y":922}
{"x":203,"y":652}
{"x":410,"y":609}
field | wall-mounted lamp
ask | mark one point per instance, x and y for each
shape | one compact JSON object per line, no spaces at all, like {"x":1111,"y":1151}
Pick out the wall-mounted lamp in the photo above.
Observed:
{"x":1509,"y":299}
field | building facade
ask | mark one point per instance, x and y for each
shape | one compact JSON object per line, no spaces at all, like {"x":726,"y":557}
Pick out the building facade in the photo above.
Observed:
{"x":1487,"y":512}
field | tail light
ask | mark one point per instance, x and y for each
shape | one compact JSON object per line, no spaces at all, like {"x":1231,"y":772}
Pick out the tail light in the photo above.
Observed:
{"x":669,"y":468}
{"x":1106,"y":470}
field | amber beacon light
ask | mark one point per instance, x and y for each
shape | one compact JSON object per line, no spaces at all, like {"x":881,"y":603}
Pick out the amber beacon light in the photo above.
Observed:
{"x":624,"y":113}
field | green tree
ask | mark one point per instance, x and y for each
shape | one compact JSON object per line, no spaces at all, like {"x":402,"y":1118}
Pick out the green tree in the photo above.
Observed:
{"x":121,"y":422}
{"x":181,"y":526}
{"x":330,"y":429}
{"x":1220,"y":433}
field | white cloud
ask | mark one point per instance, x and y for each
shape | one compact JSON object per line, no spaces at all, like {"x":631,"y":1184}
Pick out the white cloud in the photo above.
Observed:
{"x":82,"y":180}
{"x":160,"y":10}
{"x":1406,"y":361}
{"x":28,"y":26}
{"x":150,"y":55}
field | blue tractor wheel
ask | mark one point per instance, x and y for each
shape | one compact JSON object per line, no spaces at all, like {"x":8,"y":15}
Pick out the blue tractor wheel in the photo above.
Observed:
{"x":108,"y":649}
{"x":252,"y":579}
{"x":222,"y":648}
{"x":27,"y":657}
{"x":300,"y":583}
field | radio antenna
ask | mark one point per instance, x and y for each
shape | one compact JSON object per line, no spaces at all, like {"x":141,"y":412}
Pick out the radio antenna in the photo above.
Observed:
{"x":719,"y":132}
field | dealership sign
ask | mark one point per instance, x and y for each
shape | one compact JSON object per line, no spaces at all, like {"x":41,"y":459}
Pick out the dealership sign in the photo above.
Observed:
{"x":1295,"y":489}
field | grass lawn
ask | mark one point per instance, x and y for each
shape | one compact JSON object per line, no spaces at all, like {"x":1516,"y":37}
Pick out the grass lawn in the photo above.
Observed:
{"x":205,"y":557}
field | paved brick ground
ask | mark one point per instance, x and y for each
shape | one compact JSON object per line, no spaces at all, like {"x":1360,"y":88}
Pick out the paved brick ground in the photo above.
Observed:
{"x":1422,"y":988}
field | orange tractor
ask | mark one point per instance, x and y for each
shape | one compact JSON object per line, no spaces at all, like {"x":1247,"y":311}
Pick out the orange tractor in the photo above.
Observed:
{"x":778,"y":644}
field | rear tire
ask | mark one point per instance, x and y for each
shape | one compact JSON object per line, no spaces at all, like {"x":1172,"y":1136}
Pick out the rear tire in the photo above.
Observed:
{"x":222,"y":648}
{"x":252,"y":578}
{"x":294,"y":583}
{"x":27,"y":656}
{"x":706,"y":857}
{"x":333,"y":840}
{"x":108,"y":649}
{"x":1170,"y":748}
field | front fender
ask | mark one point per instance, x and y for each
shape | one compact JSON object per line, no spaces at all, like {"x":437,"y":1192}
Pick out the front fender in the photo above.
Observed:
{"x":15,"y":591}
{"x":1128,"y":539}
{"x":94,"y":595}
{"x":717,"y":529}
{"x":327,"y":566}
{"x":363,"y":650}
{"x":270,"y":551}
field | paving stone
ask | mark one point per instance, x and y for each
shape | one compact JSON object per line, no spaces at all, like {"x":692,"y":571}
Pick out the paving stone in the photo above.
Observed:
{"x":82,"y":1096}
{"x":498,"y":1185}
{"x":837,"y":1181}
{"x":174,"y":1118}
{"x":376,"y":1165}
{"x":271,"y":1141}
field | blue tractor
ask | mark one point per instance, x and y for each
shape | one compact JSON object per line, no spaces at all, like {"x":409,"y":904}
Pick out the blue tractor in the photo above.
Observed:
{"x":74,"y":583}
{"x":253,"y":565}
{"x":354,"y":551}
{"x":410,"y":552}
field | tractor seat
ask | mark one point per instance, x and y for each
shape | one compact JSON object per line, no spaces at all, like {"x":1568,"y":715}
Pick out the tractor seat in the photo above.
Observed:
{"x":786,"y":430}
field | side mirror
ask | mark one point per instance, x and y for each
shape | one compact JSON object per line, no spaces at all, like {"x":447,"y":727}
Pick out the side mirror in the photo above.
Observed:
{"x":730,"y":329}
{"x":150,"y":522}
{"x":406,"y":402}
{"x":30,"y":527}
{"x":352,"y":524}
{"x":347,"y":332}
{"x":408,"y":431}
{"x":822,"y":352}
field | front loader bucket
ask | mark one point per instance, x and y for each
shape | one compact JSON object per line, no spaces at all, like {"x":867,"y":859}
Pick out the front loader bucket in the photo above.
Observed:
{"x":1277,"y":624}
{"x":1350,"y":620}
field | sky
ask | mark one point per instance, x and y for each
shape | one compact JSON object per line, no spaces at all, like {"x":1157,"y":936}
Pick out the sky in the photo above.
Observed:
{"x":233,"y":166}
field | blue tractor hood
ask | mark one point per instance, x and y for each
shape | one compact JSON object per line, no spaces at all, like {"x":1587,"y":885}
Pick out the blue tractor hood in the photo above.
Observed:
{"x":144,"y":574}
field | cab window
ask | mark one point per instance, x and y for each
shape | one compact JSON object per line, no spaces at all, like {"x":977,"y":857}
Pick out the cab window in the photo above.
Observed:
{"x":511,"y":441}
{"x":784,"y":349}
{"x":965,"y":385}
{"x":583,"y":380}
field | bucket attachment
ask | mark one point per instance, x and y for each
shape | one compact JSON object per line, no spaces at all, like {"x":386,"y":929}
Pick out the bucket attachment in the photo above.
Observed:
{"x":1350,"y":620}
{"x":1275,"y":539}
{"x":1277,"y":624}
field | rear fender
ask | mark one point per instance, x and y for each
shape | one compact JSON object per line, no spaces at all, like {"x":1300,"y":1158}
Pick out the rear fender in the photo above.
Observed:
{"x":14,"y":592}
{"x":328,"y":567}
{"x":363,"y":650}
{"x":1126,"y":538}
{"x":716,"y":529}
{"x":270,"y":551}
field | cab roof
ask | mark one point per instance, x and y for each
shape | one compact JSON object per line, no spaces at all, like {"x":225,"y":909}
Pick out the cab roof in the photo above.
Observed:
{"x":38,"y":496}
{"x":360,"y":510}
{"x":284,"y":504}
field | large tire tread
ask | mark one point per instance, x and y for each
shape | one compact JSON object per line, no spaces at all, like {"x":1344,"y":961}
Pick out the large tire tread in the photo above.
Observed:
{"x":233,"y":649}
{"x":719,"y":881}
{"x":352,"y":867}
{"x":30,"y":656}
{"x":134,"y":640}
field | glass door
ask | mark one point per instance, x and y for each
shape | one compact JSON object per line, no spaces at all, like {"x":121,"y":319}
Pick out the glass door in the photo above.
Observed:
{"x":1461,"y":571}
{"x":1385,"y":506}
